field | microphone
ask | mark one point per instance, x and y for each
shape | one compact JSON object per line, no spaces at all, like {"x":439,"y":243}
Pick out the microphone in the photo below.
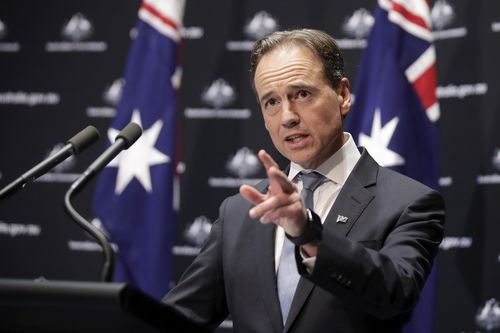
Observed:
{"x":81,"y":141}
{"x":123,"y":140}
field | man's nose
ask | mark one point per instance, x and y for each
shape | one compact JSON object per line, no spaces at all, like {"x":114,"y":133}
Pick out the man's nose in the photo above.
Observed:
{"x":289,"y":116}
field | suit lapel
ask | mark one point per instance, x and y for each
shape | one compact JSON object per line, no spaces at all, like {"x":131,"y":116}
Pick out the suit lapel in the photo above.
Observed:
{"x":351,"y":201}
{"x":354,"y":196}
{"x":264,"y":256}
{"x":349,"y":204}
{"x":304,"y":288}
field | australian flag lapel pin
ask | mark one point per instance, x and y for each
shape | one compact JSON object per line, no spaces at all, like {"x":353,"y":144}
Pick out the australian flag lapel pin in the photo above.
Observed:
{"x":342,"y":218}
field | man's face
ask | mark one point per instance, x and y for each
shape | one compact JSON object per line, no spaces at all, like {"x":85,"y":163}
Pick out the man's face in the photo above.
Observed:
{"x":302,"y":112}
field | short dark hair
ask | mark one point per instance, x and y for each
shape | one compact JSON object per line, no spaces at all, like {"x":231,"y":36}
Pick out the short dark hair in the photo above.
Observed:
{"x":320,"y":43}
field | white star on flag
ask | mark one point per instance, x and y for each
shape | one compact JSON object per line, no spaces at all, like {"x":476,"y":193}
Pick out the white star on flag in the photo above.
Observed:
{"x":377,"y":144}
{"x":136,"y":161}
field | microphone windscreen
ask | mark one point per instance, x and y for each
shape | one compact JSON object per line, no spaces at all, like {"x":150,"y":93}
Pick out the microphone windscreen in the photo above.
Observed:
{"x":130,"y":134}
{"x":83,"y":139}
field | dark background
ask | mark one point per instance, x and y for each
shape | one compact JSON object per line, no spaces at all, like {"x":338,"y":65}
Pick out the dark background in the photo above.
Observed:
{"x":38,"y":240}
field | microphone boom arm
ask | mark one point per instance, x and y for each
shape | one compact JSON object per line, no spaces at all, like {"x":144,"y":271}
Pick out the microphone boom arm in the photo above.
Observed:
{"x":109,"y":256}
{"x":124,"y":140}
{"x":36,"y":171}
{"x":79,"y":142}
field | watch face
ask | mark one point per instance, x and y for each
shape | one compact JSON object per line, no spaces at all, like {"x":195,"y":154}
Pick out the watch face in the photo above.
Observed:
{"x":313,"y":217}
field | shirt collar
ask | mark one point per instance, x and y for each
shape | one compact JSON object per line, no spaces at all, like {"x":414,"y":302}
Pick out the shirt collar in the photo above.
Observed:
{"x":338,"y":166}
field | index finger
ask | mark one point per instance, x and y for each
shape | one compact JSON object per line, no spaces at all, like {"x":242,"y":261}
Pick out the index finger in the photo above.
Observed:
{"x":279,"y":182}
{"x":267,"y":160}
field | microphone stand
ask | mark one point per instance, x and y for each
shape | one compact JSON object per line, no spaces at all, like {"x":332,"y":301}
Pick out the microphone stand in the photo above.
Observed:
{"x":109,"y":255}
{"x":124,"y":140}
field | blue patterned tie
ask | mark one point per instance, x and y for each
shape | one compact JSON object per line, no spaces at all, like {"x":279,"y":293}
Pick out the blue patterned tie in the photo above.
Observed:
{"x":288,"y":276}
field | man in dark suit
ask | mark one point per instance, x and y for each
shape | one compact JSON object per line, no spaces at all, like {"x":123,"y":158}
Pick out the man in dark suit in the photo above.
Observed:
{"x":363,"y":238}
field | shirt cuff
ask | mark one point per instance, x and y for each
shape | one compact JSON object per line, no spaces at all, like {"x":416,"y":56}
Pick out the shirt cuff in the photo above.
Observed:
{"x":307,"y":261}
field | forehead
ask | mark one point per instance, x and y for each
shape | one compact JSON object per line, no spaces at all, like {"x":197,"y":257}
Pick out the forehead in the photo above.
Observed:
{"x":287,"y":62}
{"x":286,"y":53}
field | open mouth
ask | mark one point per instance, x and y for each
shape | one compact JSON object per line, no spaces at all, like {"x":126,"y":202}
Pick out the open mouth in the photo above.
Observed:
{"x":295,"y":138}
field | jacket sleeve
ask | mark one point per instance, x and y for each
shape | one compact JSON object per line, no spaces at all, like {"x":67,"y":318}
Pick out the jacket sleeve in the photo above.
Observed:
{"x":200,"y":294}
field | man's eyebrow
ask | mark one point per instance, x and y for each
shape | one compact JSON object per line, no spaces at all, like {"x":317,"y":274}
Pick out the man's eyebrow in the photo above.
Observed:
{"x":297,"y":86}
{"x":307,"y":86}
{"x":265,"y":96}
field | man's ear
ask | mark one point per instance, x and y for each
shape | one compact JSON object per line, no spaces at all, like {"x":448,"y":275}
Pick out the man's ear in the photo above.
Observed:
{"x":345,"y":100}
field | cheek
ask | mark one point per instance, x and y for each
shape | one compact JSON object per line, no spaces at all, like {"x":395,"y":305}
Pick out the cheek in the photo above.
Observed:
{"x":266,"y":126}
{"x":270,"y":123}
{"x":271,"y":128}
{"x":325,"y":120}
{"x":327,"y":125}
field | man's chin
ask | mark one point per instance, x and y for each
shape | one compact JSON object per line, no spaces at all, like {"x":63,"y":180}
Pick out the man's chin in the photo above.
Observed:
{"x":304,"y":161}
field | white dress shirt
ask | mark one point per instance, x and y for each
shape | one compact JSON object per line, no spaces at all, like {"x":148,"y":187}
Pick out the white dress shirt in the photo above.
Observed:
{"x":336,"y":170}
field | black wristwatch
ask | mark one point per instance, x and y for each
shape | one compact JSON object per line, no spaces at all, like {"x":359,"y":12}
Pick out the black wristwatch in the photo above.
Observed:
{"x":313,"y":231}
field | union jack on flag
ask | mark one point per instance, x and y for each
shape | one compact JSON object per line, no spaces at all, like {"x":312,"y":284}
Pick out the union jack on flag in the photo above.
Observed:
{"x":395,"y":110}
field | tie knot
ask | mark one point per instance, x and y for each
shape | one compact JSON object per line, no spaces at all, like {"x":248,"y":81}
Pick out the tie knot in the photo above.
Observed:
{"x":311,"y":180}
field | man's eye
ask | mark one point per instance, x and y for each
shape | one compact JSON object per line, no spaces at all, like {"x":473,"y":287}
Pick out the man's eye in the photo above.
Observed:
{"x":271,"y":102}
{"x":303,"y":93}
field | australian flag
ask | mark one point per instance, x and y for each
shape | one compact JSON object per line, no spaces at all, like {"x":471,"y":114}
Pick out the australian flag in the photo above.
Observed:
{"x":395,"y":110}
{"x":134,"y":194}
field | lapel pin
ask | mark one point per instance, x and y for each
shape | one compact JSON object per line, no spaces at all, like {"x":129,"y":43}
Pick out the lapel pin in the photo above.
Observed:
{"x":342,"y":219}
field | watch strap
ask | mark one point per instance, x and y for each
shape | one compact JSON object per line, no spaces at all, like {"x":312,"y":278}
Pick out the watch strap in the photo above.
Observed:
{"x":313,"y":231}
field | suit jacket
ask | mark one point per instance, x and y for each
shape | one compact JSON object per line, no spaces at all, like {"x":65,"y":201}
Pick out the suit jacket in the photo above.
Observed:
{"x":368,"y":274}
